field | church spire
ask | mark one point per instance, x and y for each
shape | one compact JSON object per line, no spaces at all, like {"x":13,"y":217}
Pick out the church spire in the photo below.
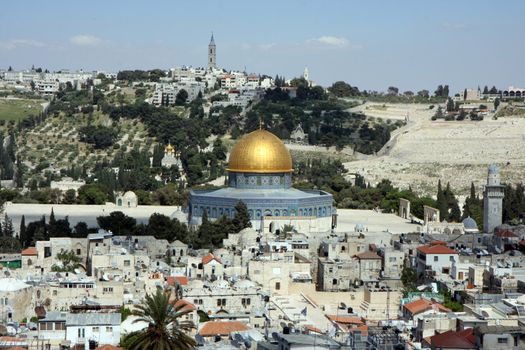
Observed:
{"x":212,"y":54}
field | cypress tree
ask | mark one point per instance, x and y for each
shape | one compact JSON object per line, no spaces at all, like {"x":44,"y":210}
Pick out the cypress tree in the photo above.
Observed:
{"x":241,"y":220}
{"x":7,"y":230}
{"x":158,"y":154}
{"x":455,"y":213}
{"x":23,"y":234}
{"x":441,"y":203}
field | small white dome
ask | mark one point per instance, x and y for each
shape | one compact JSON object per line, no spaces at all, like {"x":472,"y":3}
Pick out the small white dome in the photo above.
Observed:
{"x":244,"y":284}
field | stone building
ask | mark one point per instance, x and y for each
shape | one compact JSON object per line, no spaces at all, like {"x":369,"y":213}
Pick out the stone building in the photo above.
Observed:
{"x":493,"y":200}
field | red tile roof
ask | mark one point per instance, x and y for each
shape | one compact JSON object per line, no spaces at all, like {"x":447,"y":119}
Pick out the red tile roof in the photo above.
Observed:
{"x":421,"y":305}
{"x":346,"y":319}
{"x":363,"y":329}
{"x":313,"y":329}
{"x":212,"y":328}
{"x":454,"y":340}
{"x":206,"y":259}
{"x":173,"y":280}
{"x":184,"y":305}
{"x":30,"y":251}
{"x":436,"y":249}
{"x":368,"y":256}
{"x":505,"y":234}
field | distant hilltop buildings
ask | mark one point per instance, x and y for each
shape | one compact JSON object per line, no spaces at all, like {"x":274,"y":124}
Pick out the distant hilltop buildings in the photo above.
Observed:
{"x":47,"y":83}
{"x":511,"y":92}
{"x":241,"y":87}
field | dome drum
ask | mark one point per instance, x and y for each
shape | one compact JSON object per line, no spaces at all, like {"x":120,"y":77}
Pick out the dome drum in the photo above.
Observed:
{"x":259,"y":180}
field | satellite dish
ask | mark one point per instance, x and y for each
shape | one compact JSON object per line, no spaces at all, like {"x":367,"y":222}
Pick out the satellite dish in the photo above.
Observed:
{"x":275,"y":335}
{"x":282,"y":324}
{"x":342,"y":305}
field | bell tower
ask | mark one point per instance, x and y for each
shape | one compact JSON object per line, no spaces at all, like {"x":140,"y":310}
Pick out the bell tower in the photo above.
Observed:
{"x":212,"y":54}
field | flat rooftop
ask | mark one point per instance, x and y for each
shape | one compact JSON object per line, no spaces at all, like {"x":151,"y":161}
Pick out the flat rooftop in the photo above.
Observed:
{"x":374,"y":221}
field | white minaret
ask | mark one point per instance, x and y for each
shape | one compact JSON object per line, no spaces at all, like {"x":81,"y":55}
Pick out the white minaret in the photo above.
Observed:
{"x":492,"y":200}
{"x":306,"y":76}
{"x":212,"y":54}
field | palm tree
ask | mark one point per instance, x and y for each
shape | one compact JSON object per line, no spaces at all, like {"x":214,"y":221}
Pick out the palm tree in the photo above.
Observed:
{"x":165,"y":330}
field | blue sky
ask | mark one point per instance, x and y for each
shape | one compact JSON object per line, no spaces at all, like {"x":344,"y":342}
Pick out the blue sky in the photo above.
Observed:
{"x":373,"y":44}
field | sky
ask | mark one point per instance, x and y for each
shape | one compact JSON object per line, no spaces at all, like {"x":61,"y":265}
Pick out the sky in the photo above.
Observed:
{"x":409,"y":44}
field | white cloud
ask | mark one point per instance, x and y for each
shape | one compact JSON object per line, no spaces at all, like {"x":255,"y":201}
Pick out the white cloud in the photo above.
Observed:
{"x":266,"y":46}
{"x":85,"y":40}
{"x":454,"y":26}
{"x":330,"y":41}
{"x":12,"y":44}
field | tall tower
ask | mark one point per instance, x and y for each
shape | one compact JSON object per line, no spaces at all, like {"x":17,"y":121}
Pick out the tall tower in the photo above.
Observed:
{"x":212,"y":54}
{"x":306,"y":75}
{"x":492,"y":200}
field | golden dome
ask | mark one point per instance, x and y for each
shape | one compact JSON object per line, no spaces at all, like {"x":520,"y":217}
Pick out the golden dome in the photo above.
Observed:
{"x":260,"y":152}
{"x":169,"y":148}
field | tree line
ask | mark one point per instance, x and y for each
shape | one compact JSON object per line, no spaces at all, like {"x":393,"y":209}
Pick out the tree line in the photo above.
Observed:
{"x":208,"y":235}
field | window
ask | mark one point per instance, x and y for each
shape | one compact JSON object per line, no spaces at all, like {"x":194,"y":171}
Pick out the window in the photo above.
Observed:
{"x":107,"y":290}
{"x":221,"y":302}
{"x":502,"y":340}
{"x":60,"y":326}
{"x":95,"y":329}
{"x":392,"y":259}
{"x":46,"y":326}
{"x":277,"y":285}
{"x":127,"y":263}
{"x":436,"y":258}
{"x":81,"y":333}
{"x":109,"y":329}
{"x":451,"y":258}
{"x":79,"y":252}
{"x":245,"y":301}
